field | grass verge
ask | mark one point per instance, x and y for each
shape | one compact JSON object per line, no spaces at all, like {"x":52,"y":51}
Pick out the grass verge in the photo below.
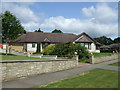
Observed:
{"x":115,"y":64}
{"x":101,"y":54}
{"x":97,"y":78}
{"x":15,"y":57}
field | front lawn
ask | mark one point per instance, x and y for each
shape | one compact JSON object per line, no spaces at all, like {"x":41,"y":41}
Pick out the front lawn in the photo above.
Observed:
{"x":116,"y":64}
{"x":97,"y":78}
{"x":101,"y":54}
{"x":15,"y":57}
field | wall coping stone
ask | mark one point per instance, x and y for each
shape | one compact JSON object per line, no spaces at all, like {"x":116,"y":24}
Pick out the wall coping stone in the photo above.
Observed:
{"x":17,"y":61}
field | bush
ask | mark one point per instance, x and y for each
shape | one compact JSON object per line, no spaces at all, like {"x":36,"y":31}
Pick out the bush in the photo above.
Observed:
{"x":66,"y":50}
{"x":48,"y":50}
{"x":82,"y":51}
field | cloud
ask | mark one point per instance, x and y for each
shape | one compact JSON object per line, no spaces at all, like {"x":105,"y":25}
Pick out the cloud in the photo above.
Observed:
{"x":101,"y":12}
{"x":77,"y":26}
{"x":22,"y":12}
{"x":100,"y":20}
{"x":31,"y":26}
{"x":28,"y":18}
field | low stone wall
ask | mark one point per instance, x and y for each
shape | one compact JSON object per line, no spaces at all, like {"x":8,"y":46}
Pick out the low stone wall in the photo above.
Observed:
{"x":18,"y":69}
{"x":103,"y":58}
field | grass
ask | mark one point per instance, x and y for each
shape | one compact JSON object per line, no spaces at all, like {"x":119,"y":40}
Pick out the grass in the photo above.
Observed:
{"x":101,"y":54}
{"x":15,"y":57}
{"x":115,"y":64}
{"x":97,"y":78}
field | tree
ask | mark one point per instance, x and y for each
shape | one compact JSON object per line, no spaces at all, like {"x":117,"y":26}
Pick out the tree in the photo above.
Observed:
{"x":11,"y":27}
{"x":104,"y":40}
{"x":57,"y":31}
{"x":38,"y":48}
{"x":117,"y":40}
{"x":38,"y":30}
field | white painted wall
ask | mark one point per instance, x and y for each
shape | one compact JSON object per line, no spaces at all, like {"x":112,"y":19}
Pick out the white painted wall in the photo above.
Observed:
{"x":93,"y":47}
{"x":30,"y":48}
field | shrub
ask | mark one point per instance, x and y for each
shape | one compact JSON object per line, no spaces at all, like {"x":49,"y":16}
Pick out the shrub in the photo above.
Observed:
{"x":64,"y":49}
{"x":82,"y":51}
{"x":67,"y":50}
{"x":48,"y":50}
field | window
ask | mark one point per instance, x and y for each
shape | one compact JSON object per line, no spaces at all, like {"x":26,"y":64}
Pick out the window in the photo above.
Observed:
{"x":86,"y":45}
{"x":82,"y":44}
{"x":33,"y":44}
{"x":89,"y":46}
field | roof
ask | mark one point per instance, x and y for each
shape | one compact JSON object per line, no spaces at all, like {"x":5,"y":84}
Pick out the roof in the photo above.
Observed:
{"x":83,"y":39}
{"x":47,"y":37}
{"x":53,"y":37}
{"x":111,"y":46}
{"x":89,"y":39}
{"x":105,"y":47}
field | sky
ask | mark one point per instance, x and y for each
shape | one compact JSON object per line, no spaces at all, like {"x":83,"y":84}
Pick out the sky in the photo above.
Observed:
{"x":94,"y":18}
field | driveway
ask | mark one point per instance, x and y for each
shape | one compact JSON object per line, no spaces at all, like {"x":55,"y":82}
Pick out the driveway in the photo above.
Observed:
{"x":42,"y":79}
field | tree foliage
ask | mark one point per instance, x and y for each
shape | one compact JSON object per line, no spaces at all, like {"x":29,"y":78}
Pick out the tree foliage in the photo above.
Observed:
{"x":104,"y":40}
{"x":117,"y":40}
{"x":38,"y":48}
{"x":38,"y":30}
{"x":57,"y":31}
{"x":11,"y":26}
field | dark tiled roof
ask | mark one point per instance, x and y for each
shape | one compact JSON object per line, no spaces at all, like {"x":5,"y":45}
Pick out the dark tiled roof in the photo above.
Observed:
{"x":21,"y":38}
{"x":53,"y":37}
{"x":47,"y":37}
{"x":89,"y":37}
{"x":83,"y":39}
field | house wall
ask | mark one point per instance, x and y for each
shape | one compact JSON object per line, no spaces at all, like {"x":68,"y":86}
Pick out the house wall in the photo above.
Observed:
{"x":93,"y":46}
{"x":30,"y":48}
{"x":17,"y":48}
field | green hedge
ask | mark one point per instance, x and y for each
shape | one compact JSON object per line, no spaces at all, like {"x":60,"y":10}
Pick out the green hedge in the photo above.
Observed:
{"x":67,"y":50}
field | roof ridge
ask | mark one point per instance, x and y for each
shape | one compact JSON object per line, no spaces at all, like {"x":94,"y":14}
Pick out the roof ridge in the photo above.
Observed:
{"x":51,"y":33}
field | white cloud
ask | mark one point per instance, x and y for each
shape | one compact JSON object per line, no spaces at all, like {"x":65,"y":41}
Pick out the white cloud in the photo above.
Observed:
{"x":100,"y":20}
{"x":31,"y":26}
{"x":77,"y":26}
{"x":101,"y":12}
{"x":29,"y":20}
{"x":22,"y":12}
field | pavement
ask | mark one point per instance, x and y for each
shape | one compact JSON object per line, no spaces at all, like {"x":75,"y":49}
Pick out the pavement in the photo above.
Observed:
{"x":44,"y":79}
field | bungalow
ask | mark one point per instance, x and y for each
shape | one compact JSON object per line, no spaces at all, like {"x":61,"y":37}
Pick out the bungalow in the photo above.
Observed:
{"x":30,"y":40}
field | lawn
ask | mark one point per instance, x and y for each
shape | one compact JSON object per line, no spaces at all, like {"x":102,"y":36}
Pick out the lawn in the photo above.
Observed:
{"x":97,"y":78}
{"x":101,"y":54}
{"x":15,"y":57}
{"x":115,"y":64}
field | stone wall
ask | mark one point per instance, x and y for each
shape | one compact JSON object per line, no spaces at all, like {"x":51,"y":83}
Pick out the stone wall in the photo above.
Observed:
{"x":103,"y":58}
{"x":19,"y":69}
